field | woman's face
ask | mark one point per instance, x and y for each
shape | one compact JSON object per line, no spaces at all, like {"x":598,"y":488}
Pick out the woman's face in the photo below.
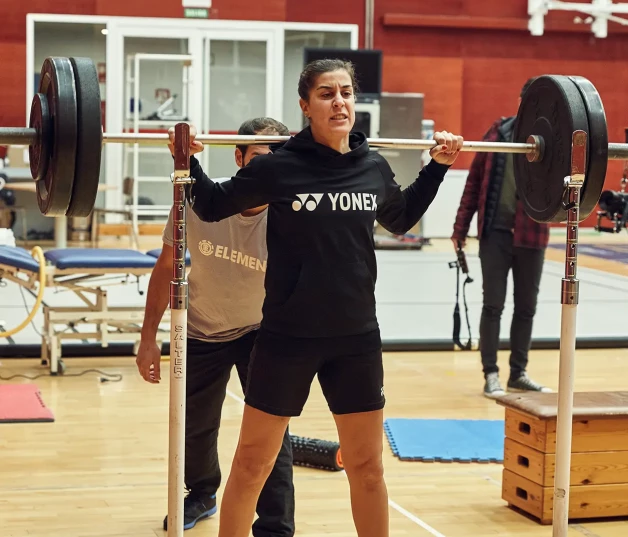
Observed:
{"x":331,"y":106}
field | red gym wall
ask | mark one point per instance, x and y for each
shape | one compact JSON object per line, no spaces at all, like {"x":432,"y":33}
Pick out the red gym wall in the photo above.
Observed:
{"x":469,"y":58}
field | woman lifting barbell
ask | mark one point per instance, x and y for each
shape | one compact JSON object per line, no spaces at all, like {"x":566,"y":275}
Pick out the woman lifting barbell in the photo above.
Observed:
{"x":324,"y":189}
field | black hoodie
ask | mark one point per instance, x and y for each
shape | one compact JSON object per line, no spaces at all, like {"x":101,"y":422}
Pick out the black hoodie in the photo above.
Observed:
{"x":321,"y":269}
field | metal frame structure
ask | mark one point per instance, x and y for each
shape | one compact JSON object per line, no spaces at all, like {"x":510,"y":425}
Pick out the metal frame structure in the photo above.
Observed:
{"x":112,"y":323}
{"x":600,"y":13}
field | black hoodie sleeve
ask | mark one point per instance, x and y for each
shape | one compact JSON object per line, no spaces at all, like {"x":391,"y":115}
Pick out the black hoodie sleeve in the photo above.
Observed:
{"x":251,"y":187}
{"x":402,"y":209}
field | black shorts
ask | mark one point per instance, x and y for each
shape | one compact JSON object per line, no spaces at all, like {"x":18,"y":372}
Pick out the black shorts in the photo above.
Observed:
{"x":350,"y":371}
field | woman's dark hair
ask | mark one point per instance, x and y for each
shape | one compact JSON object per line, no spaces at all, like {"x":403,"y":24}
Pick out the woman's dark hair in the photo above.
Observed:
{"x":261,"y":125}
{"x":319,"y":67}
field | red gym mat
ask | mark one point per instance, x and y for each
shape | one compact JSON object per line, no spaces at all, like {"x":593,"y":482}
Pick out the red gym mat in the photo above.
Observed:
{"x":22,"y":403}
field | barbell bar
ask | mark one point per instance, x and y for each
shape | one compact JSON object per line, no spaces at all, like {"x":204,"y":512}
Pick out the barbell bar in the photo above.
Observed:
{"x":27,"y":136}
{"x":16,"y":136}
{"x":617,"y":151}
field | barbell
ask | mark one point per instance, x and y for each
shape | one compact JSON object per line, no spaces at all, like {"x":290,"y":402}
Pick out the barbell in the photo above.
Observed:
{"x":65,"y":139}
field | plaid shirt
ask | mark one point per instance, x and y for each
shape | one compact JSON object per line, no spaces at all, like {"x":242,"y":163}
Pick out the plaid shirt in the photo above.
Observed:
{"x":527,"y":232}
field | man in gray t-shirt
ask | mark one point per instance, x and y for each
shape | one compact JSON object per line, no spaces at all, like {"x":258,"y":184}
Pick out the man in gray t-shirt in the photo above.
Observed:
{"x":226,"y":282}
{"x":226,"y":292}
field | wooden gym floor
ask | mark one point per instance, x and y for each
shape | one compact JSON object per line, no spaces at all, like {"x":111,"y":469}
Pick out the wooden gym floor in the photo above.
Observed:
{"x":101,"y":469}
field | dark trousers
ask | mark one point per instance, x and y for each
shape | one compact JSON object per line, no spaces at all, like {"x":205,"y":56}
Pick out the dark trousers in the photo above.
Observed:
{"x":208,"y":370}
{"x":498,"y":256}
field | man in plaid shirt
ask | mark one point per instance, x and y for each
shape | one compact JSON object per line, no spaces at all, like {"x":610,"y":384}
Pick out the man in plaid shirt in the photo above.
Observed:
{"x":509,"y":239}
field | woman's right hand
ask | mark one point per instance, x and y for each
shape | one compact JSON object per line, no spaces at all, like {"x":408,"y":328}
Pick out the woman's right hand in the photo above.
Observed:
{"x":195,"y":147}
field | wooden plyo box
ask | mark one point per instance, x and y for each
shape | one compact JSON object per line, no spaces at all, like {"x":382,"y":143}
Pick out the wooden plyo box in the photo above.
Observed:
{"x":599,"y":454}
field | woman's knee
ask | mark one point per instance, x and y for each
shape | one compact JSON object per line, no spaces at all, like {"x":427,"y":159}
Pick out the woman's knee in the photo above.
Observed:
{"x":367,"y":470}
{"x":252,"y":464}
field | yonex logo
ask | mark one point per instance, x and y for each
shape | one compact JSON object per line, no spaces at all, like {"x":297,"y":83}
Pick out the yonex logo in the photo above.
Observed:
{"x":310,"y":205}
{"x":340,"y":201}
{"x":354,"y":201}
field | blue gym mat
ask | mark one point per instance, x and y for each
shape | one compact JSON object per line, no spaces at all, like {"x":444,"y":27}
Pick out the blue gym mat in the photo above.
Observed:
{"x":430,"y":440}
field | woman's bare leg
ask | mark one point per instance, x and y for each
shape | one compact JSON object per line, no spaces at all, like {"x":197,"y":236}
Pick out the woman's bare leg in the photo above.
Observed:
{"x":261,"y":436}
{"x":361,"y":441}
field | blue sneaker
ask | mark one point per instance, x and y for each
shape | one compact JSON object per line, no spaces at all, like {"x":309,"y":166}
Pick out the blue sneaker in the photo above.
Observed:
{"x":195,"y":508}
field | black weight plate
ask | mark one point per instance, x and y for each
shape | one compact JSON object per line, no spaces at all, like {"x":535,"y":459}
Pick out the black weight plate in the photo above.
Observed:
{"x":597,"y":151}
{"x":552,"y":108}
{"x":54,"y":190}
{"x":89,"y":138}
{"x":39,"y":152}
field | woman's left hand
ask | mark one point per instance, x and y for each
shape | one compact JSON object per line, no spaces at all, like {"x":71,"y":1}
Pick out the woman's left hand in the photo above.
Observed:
{"x":447,"y":147}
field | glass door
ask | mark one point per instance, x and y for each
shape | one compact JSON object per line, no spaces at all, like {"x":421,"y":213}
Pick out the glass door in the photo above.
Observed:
{"x":241,"y":71}
{"x":158,"y":84}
